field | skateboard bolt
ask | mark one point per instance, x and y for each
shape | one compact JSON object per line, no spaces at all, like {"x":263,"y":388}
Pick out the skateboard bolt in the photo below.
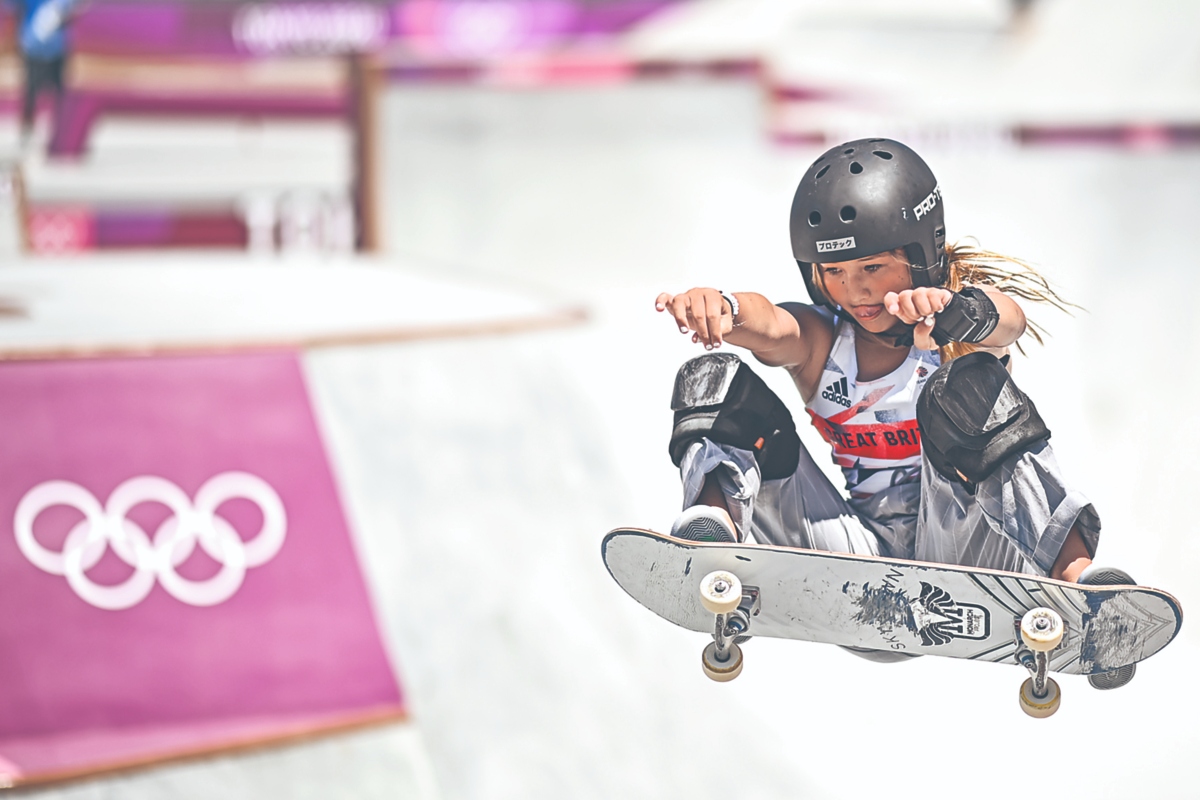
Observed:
{"x":721,"y":587}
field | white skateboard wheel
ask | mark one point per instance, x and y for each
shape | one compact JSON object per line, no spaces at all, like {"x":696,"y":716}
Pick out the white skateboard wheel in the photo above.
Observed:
{"x":722,"y":671}
{"x":1040,"y":707}
{"x":1042,"y":629}
{"x":720,"y":592}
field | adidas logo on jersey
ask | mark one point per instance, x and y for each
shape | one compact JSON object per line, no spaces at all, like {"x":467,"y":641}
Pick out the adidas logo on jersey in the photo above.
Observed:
{"x":837,"y":392}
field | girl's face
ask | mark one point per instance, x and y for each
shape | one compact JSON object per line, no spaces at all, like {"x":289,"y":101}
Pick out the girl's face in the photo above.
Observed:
{"x":859,"y":286}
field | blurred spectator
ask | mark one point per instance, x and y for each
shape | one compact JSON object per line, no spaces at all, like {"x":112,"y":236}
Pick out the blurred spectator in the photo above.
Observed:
{"x":1022,"y":12}
{"x":42,"y":40}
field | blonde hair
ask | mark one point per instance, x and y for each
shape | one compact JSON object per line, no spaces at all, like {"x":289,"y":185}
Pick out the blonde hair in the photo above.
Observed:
{"x":971,"y":265}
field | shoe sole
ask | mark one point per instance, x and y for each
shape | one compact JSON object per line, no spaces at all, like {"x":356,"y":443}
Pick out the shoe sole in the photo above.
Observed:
{"x":703,"y":529}
{"x":1113,"y":680}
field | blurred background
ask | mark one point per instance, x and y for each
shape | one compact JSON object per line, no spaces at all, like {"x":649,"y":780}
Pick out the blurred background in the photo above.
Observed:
{"x":459,"y":212}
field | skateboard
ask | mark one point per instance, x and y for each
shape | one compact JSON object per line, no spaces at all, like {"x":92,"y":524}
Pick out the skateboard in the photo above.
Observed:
{"x":735,"y":591}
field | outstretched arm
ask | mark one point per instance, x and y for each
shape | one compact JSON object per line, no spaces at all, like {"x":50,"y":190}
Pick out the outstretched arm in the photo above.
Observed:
{"x":776,"y":335}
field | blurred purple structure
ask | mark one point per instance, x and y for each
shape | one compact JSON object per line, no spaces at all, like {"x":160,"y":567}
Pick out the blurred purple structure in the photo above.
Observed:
{"x":172,"y":59}
{"x":477,"y":28}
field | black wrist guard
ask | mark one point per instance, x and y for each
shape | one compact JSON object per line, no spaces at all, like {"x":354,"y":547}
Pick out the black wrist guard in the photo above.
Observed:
{"x":969,"y":317}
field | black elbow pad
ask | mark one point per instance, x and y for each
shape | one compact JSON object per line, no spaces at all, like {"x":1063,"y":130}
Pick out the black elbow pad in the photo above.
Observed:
{"x":970,"y":316}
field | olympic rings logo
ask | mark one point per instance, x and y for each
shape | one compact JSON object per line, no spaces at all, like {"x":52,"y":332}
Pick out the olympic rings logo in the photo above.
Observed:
{"x":154,"y":557}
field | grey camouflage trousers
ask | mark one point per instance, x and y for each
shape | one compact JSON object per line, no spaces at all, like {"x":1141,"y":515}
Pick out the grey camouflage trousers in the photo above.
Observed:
{"x":1017,"y":519}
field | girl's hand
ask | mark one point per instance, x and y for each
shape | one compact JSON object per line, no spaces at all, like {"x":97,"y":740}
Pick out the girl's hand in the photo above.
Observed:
{"x":918,"y":307}
{"x":701,"y":312}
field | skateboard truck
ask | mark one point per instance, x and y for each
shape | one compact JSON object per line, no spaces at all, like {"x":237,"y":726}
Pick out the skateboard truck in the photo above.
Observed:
{"x":733,"y":604}
{"x":1038,"y":633}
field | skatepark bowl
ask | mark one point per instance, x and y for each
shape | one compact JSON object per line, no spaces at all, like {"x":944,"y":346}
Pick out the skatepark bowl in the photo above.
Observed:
{"x":489,"y":396}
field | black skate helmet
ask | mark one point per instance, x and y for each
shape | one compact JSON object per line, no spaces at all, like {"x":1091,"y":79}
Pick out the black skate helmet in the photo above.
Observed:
{"x":866,"y":197}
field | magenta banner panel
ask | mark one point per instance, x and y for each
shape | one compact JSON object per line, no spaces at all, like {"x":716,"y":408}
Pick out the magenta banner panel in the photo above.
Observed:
{"x":320,"y":27}
{"x":176,"y":571}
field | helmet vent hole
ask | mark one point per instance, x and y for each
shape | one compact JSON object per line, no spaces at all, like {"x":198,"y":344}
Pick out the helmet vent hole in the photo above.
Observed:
{"x":885,"y":155}
{"x":873,"y":141}
{"x":824,"y":169}
{"x":848,"y":213}
{"x":814,"y":219}
{"x":856,"y":167}
{"x":849,"y":152}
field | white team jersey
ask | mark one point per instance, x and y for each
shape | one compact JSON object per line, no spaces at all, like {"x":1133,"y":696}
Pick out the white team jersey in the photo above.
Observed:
{"x":871,"y":425}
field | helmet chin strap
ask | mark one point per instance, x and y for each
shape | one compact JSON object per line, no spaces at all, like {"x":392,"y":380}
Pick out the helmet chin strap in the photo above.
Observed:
{"x":900,"y":334}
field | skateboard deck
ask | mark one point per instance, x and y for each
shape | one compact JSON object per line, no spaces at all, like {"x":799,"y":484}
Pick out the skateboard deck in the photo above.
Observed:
{"x":893,"y":605}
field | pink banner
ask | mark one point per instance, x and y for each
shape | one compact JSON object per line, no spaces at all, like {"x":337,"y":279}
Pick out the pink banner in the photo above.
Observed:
{"x":61,"y":229}
{"x":176,"y":572}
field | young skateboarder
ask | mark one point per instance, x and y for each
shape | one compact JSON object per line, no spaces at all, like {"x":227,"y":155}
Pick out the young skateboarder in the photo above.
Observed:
{"x":901,"y":360}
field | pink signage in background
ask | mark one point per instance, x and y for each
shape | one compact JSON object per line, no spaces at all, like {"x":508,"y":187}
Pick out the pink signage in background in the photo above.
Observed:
{"x":484,"y":28}
{"x":310,"y":28}
{"x":176,"y":572}
{"x":478,"y":28}
{"x":61,"y":229}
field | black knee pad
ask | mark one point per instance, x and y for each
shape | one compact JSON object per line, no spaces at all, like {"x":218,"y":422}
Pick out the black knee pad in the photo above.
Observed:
{"x":718,"y":397}
{"x":972,"y":416}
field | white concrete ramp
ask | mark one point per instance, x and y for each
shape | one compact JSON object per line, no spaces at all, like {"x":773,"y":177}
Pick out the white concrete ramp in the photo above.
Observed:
{"x":150,"y":303}
{"x":157,"y":304}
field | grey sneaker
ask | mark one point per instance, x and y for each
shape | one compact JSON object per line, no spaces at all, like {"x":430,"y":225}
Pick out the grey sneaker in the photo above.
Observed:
{"x":1109,"y":576}
{"x":705,"y":524}
{"x":1094,"y":575}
